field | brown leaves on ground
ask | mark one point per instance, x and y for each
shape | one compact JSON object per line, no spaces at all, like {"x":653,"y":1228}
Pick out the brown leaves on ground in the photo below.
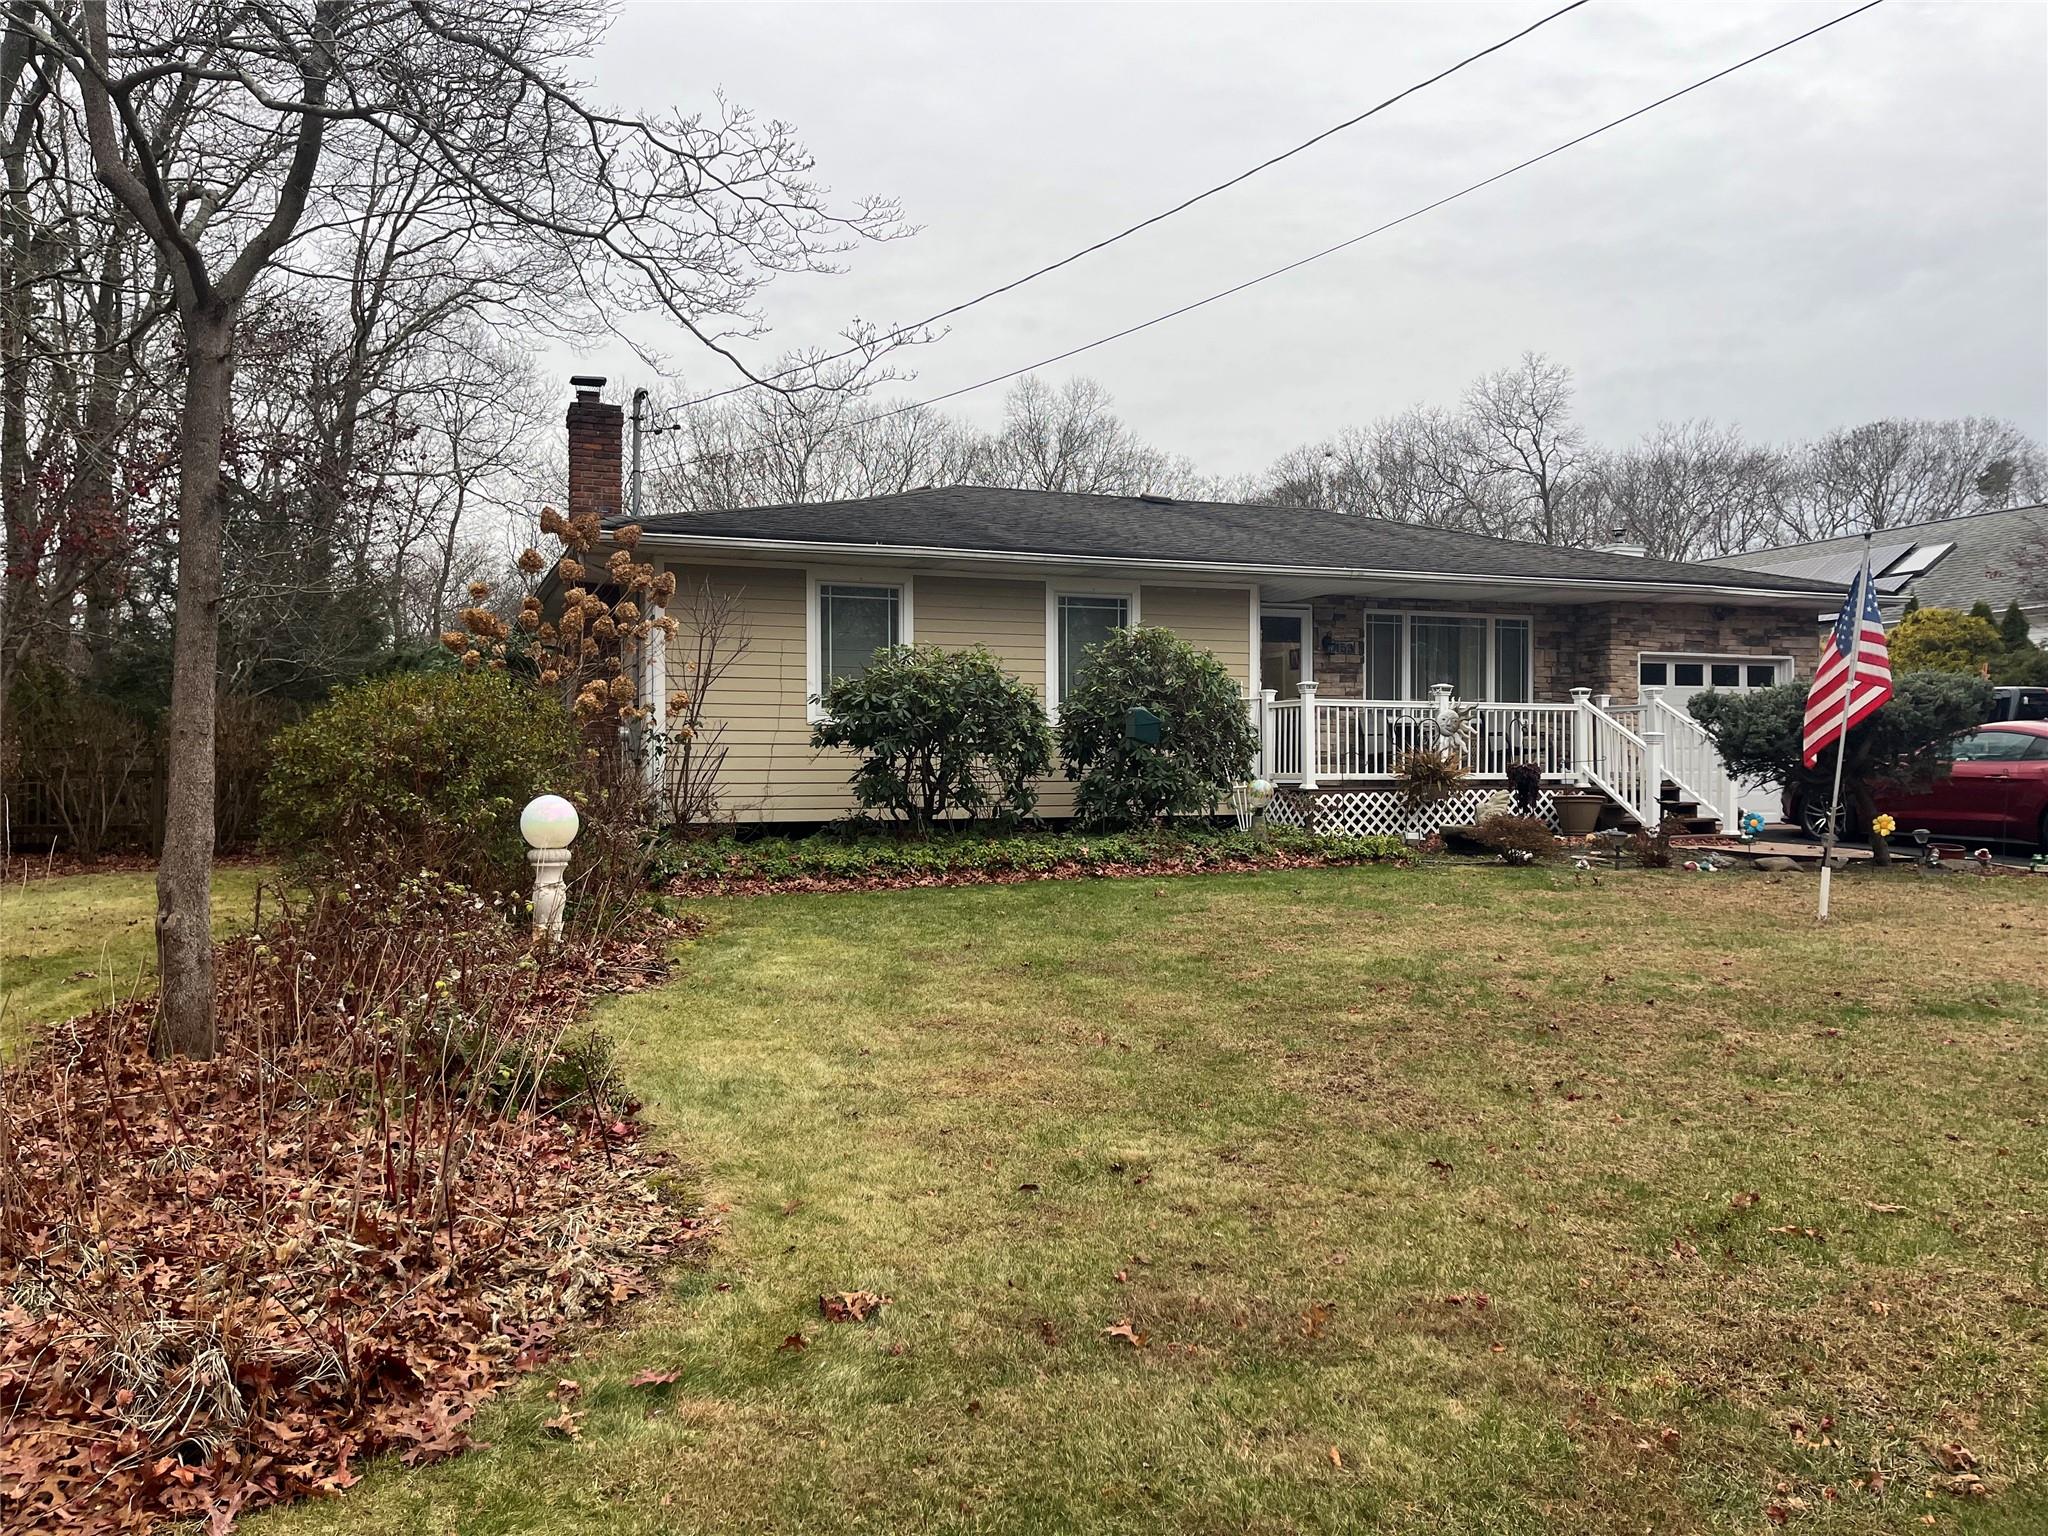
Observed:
{"x":850,"y":1306}
{"x":1123,"y":1329}
{"x":227,"y":1284}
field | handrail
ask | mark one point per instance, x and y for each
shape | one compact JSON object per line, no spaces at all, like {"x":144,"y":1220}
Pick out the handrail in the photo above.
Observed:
{"x":1620,"y":763}
{"x":1693,"y":762}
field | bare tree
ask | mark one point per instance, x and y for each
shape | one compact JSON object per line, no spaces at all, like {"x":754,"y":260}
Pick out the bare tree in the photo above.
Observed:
{"x":1887,"y":473}
{"x":682,"y":216}
{"x":1071,"y":439}
{"x":1519,"y":425}
{"x":1688,"y":491}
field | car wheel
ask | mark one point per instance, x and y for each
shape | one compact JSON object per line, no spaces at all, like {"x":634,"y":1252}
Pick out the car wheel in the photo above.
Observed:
{"x":1813,"y":816}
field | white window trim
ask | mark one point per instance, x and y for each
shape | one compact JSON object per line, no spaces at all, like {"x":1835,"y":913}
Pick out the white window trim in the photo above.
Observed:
{"x":1054,"y":591}
{"x":1306,"y":612}
{"x":1788,"y":667}
{"x":847,"y":576}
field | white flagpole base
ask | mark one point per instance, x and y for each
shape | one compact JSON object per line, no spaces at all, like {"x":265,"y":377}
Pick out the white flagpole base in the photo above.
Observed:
{"x":1827,"y":870}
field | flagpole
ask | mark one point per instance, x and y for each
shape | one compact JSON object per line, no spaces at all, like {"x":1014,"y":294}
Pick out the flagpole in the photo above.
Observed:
{"x":1859,"y":594}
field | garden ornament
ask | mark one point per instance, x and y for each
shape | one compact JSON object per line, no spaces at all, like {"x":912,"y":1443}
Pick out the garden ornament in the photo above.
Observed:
{"x":1983,"y":858}
{"x":549,"y":824}
{"x":1750,"y":826}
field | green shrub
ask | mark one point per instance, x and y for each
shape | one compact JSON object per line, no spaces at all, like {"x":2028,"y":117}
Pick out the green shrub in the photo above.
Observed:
{"x":1206,"y":742}
{"x":1943,"y":640}
{"x":938,"y":732}
{"x":423,"y":770}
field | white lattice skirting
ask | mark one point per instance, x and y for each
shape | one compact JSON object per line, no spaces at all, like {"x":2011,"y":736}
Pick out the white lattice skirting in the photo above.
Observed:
{"x":1364,"y":812}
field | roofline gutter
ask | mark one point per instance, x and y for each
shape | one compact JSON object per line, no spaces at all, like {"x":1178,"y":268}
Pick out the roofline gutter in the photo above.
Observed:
{"x":1206,"y":567}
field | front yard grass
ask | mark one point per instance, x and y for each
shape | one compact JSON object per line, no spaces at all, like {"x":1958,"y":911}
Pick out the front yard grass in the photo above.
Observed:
{"x":1448,"y":1201}
{"x":78,"y":942}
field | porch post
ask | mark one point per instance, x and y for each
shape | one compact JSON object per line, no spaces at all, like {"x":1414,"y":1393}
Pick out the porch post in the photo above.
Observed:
{"x":1582,"y":736}
{"x":1308,"y":736}
{"x":1267,"y":696}
{"x":1653,"y":755}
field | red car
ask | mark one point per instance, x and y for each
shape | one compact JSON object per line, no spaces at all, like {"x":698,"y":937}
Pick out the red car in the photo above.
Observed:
{"x":1998,"y":790}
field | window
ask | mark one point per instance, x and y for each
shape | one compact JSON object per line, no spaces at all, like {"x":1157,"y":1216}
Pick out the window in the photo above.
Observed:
{"x":1764,"y":676}
{"x":1727,"y":674}
{"x":1993,"y":747}
{"x":1652,"y":674}
{"x":1085,"y":620}
{"x":854,"y":622}
{"x":1511,"y":661}
{"x":1446,"y":650}
{"x":1382,"y":660}
{"x":1688,"y":674}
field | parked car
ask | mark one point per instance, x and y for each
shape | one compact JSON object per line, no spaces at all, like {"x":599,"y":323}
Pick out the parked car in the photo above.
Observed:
{"x":1997,"y":791}
{"x":2019,"y":703}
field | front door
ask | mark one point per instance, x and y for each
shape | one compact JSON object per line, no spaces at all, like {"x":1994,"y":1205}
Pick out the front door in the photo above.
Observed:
{"x":1286,"y":650}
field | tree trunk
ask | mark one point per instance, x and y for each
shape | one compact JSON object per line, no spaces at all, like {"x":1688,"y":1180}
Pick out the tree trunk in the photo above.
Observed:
{"x":1866,"y":811}
{"x":184,"y":929}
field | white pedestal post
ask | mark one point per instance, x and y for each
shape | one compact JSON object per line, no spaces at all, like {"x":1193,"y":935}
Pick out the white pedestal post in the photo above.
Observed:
{"x":1582,"y":736}
{"x":1266,"y":698}
{"x":550,"y":895}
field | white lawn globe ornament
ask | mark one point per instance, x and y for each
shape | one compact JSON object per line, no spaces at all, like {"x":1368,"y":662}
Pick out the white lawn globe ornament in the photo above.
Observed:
{"x":549,"y":825}
{"x":549,"y":821}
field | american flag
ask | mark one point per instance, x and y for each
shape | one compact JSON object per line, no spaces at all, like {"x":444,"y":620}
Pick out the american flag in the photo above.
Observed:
{"x":1837,"y":701}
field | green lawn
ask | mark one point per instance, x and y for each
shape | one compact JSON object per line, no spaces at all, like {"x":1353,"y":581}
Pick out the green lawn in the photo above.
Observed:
{"x":1457,"y":1200}
{"x":80,"y":941}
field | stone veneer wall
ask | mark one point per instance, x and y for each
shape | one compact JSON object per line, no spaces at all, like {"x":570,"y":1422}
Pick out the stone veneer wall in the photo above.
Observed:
{"x":1588,"y":645}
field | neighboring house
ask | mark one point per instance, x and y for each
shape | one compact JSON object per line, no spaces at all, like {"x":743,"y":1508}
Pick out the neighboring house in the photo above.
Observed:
{"x":1952,"y":562}
{"x":1344,"y":632}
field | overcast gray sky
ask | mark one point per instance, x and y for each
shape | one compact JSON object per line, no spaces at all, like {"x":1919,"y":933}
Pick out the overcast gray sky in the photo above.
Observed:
{"x":1856,"y":227}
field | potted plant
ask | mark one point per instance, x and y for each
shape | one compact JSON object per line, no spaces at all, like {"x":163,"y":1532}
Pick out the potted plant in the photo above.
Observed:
{"x":1426,"y":778}
{"x":1578,"y":811}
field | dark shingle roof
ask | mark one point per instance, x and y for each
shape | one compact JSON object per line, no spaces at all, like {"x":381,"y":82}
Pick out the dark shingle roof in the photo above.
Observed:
{"x":982,"y":519}
{"x":1989,"y":560}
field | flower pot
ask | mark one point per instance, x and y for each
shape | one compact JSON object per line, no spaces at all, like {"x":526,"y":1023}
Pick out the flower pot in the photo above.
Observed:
{"x":1577,"y":815}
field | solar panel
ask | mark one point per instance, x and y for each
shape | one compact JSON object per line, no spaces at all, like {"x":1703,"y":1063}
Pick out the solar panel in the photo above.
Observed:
{"x":1921,"y":560}
{"x":1891,"y":586}
{"x":1882,"y":556}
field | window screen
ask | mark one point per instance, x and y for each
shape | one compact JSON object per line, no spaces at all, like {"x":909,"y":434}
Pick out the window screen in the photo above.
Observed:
{"x":1086,"y":621}
{"x":1383,"y":656}
{"x":853,"y":624}
{"x":1511,"y":661}
{"x":1447,"y":651}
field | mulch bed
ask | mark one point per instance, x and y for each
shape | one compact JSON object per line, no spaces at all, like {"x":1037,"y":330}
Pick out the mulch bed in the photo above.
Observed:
{"x":1066,"y":869}
{"x":224,"y":1284}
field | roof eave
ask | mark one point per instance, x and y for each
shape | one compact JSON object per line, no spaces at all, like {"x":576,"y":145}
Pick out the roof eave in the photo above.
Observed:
{"x":845,"y":549}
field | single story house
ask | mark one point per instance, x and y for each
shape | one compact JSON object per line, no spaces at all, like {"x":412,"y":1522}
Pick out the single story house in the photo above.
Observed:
{"x":1996,"y":557}
{"x":1346,"y":634}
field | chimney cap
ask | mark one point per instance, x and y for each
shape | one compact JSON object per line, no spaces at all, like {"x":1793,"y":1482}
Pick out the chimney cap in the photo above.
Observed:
{"x":587,"y":385}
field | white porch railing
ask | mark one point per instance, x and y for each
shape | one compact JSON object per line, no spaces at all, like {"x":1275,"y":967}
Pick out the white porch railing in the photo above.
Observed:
{"x":1692,"y":761}
{"x":1311,"y":741}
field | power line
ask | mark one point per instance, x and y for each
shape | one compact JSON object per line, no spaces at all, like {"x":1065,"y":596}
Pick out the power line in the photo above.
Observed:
{"x":1328,"y":250}
{"x":1142,"y":224}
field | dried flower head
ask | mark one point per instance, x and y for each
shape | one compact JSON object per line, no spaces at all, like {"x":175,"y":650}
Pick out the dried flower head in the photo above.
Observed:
{"x":678,"y":702}
{"x":619,"y":563}
{"x":626,"y":535}
{"x":455,"y":640}
{"x":529,"y":620}
{"x":604,"y":628}
{"x":553,"y":523}
{"x":625,"y":613}
{"x":532,"y":561}
{"x":479,"y":590}
{"x":471,"y":659}
{"x":621,"y":690}
{"x":569,"y":568}
{"x":664,"y":586}
{"x":547,"y":631}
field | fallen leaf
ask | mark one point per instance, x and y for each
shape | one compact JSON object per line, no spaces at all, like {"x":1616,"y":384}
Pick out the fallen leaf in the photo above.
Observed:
{"x":1336,"y":1458}
{"x":794,"y":1341}
{"x":850,"y":1306}
{"x":564,"y":1424}
{"x":1122,"y":1329}
{"x":654,"y":1379}
{"x":1314,"y":1318}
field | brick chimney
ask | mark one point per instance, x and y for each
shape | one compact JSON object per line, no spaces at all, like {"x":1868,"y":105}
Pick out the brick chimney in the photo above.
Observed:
{"x":595,"y":431}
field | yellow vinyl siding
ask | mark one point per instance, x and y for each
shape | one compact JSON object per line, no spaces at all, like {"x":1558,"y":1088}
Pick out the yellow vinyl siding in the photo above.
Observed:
{"x":771,"y":772}
{"x":1218,"y":619}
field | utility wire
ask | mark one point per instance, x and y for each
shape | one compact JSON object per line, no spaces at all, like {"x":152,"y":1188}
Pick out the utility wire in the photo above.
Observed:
{"x":1142,"y":224}
{"x":1328,"y":250}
